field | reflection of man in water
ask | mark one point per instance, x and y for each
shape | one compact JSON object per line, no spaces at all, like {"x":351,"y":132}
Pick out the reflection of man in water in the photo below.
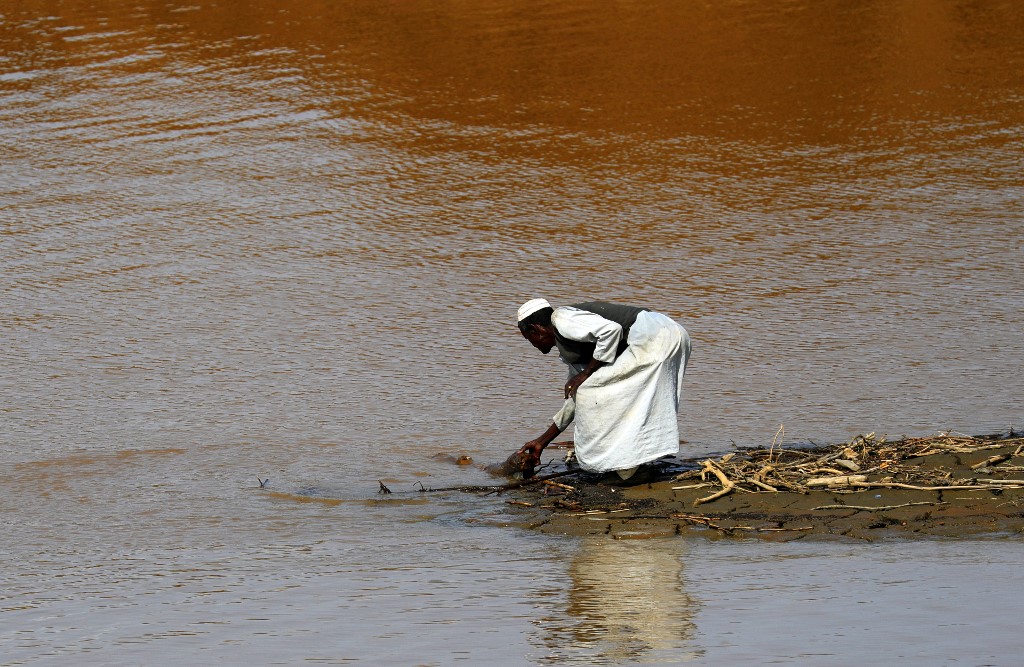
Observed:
{"x":626,"y":604}
{"x":626,"y":368}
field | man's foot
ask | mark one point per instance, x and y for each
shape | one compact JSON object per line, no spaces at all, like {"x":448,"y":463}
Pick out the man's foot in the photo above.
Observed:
{"x":641,"y":474}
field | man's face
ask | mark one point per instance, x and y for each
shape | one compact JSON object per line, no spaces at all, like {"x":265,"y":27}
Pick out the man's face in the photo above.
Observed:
{"x":540,"y":337}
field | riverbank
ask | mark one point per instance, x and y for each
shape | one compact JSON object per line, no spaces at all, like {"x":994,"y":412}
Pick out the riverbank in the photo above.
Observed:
{"x":869,"y":488}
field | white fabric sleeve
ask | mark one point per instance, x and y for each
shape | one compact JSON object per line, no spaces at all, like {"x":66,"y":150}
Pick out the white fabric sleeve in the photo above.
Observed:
{"x":589,"y":327}
{"x":566,"y":414}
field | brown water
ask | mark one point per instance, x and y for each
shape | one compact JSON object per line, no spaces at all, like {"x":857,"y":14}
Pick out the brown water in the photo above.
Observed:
{"x":287,"y":241}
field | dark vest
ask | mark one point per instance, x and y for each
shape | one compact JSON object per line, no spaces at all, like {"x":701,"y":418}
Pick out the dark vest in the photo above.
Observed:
{"x":576,"y":352}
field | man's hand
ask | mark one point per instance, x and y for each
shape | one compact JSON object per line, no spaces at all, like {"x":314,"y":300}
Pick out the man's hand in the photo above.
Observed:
{"x":574,"y":383}
{"x":531,"y":452}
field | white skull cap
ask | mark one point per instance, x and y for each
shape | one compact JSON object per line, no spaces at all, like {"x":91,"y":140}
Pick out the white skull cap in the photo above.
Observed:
{"x":531,"y":307}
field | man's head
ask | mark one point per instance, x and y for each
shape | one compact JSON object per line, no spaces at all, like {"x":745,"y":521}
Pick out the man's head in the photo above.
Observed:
{"x":535,"y":324}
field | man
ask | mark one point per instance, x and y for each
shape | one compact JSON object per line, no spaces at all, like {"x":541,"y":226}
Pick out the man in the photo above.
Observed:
{"x":626,"y":367}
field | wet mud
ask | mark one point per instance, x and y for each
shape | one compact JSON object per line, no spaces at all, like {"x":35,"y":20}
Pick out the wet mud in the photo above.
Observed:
{"x":940,"y":487}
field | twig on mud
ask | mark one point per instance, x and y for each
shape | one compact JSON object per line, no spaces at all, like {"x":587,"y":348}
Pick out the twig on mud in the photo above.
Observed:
{"x":992,"y":460}
{"x":953,"y":487}
{"x":771,"y":450}
{"x":705,"y":521}
{"x":848,"y":466}
{"x":495,"y":488}
{"x":727,"y":484}
{"x":873,"y":509}
{"x":701,"y":520}
{"x":532,"y":480}
{"x":760,"y":485}
{"x":839,"y":480}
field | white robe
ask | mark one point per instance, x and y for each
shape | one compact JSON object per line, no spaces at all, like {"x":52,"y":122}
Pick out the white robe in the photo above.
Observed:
{"x":626,"y":413}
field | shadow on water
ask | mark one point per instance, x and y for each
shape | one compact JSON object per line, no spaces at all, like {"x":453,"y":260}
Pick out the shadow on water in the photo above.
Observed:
{"x":626,"y":603}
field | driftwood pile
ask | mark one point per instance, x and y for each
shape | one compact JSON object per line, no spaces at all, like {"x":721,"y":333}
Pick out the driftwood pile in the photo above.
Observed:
{"x":866,"y":462}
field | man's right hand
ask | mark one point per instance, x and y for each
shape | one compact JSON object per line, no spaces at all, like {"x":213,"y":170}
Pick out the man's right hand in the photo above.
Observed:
{"x":532,"y":451}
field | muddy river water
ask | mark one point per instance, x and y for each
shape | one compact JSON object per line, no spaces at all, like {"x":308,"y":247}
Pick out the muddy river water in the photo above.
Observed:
{"x":284,"y":242}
